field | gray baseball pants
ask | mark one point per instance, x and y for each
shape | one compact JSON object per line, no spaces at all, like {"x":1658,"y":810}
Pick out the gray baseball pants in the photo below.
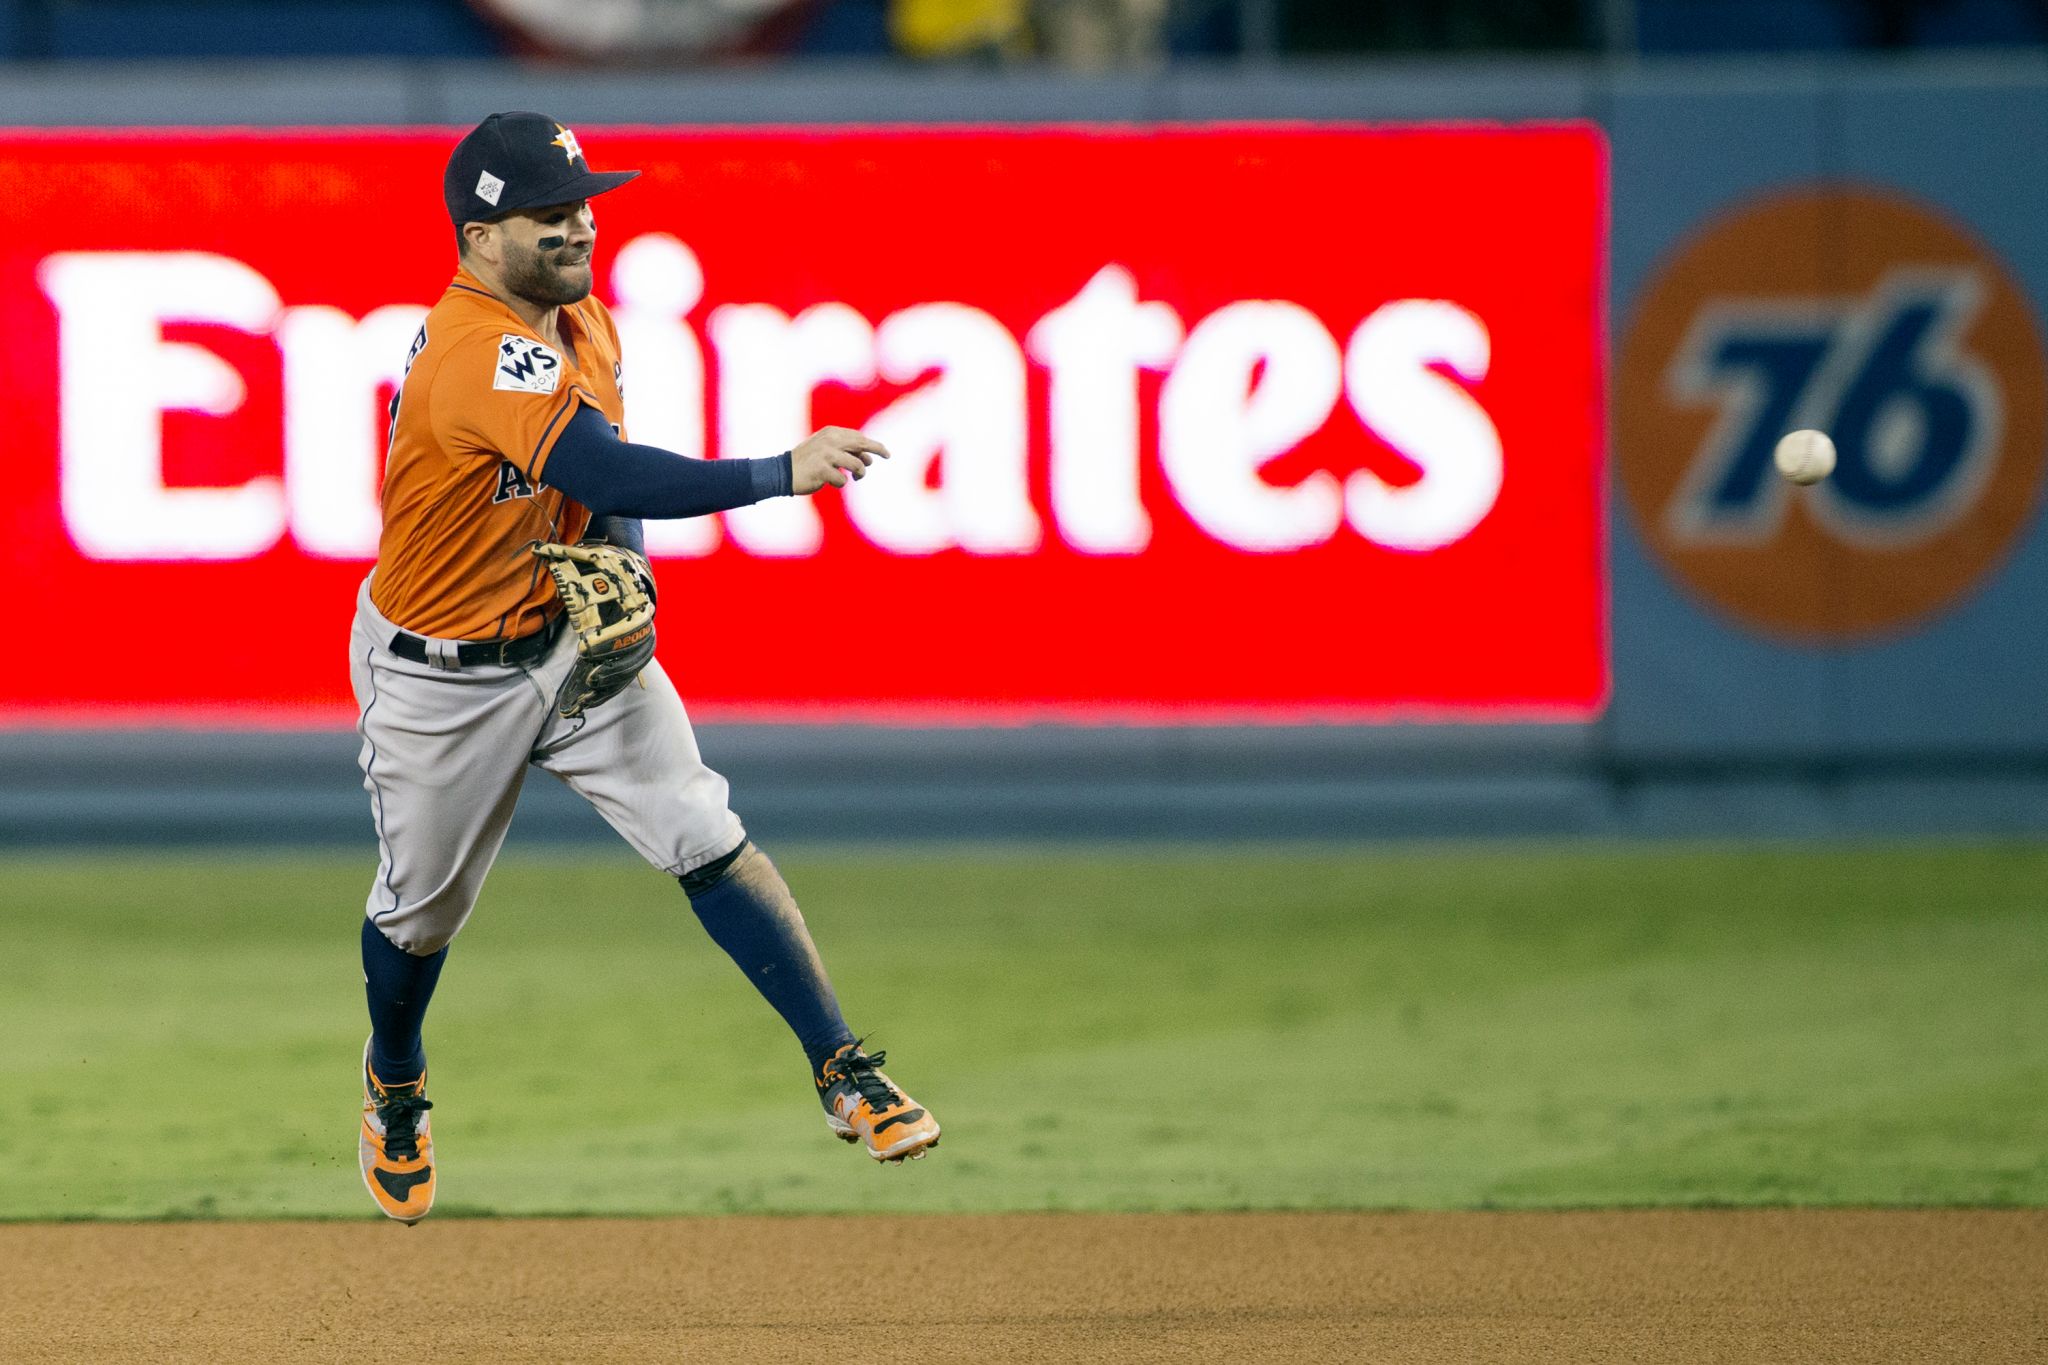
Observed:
{"x":445,"y":752}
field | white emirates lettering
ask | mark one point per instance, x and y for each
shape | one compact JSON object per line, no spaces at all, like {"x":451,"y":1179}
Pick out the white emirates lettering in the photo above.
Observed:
{"x":1236,"y":391}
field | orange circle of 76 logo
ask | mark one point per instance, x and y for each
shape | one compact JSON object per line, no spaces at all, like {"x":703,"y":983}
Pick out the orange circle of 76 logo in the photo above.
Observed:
{"x":1870,"y":317}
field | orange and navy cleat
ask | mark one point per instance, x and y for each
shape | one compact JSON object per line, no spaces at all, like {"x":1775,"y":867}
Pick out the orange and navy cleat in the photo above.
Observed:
{"x":396,"y":1147}
{"x":863,"y":1105}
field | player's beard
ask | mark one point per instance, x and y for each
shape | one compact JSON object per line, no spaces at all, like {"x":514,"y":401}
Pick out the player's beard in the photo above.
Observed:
{"x":535,"y":276}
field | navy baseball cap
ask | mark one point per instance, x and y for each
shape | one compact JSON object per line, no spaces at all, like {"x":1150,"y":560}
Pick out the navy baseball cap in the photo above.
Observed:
{"x":516,"y":161}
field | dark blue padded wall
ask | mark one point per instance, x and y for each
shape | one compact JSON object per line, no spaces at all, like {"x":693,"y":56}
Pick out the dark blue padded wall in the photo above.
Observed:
{"x":199,"y":29}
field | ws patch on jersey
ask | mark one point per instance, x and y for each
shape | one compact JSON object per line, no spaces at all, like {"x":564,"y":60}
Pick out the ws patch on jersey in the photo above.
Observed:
{"x":526,"y":366}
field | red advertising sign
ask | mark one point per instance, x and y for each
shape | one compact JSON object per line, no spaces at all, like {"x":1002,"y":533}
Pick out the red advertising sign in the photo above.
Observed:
{"x":1205,"y":425}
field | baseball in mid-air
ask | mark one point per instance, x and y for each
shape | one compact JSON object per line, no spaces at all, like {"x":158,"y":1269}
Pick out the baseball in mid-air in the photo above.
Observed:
{"x":1805,"y":456}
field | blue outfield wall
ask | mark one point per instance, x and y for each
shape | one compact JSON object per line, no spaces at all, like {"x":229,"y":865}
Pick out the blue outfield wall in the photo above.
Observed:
{"x":1960,"y":681}
{"x":1805,"y":243}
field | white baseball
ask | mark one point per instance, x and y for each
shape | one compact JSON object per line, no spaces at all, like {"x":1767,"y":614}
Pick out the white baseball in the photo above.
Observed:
{"x":1805,"y":456}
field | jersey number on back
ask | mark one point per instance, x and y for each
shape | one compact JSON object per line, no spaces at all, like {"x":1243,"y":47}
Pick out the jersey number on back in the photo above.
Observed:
{"x":419,"y":343}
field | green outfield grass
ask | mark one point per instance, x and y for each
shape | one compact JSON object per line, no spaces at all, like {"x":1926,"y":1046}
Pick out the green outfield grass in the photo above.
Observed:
{"x":1424,"y":1027}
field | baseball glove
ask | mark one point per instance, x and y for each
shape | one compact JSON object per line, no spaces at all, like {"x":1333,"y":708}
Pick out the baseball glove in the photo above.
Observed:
{"x":609,"y":591}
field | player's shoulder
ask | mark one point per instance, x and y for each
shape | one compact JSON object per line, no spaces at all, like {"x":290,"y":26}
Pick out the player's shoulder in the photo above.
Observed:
{"x":471,"y":337}
{"x":466,"y":312}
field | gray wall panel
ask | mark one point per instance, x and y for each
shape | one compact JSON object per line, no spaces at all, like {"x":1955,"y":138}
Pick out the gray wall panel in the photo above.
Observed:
{"x":791,"y":96}
{"x":878,"y":786}
{"x":1691,"y":681}
{"x":1683,"y":676}
{"x":271,"y":94}
{"x":1427,"y":91}
{"x":852,"y":783}
{"x":285,"y":93}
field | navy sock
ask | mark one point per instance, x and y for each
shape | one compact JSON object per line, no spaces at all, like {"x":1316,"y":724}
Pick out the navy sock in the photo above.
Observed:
{"x":748,"y":911}
{"x":399,"y":986}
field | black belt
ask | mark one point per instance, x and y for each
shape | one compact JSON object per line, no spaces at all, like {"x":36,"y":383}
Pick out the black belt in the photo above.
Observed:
{"x":503,"y":653}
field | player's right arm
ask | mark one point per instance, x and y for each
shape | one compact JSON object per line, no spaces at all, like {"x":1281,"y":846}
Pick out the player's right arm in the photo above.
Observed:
{"x":625,"y":479}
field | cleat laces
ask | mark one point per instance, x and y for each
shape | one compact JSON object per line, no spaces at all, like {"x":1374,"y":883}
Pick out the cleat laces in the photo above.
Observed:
{"x":861,"y":1071}
{"x":400,"y":1115}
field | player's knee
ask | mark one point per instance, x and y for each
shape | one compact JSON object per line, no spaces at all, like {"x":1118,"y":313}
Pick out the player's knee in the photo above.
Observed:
{"x":424,"y":942}
{"x":426,"y":945}
{"x":408,"y":936}
{"x":699,"y":880}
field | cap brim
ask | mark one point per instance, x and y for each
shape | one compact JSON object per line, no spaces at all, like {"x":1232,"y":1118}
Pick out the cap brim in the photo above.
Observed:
{"x":582,"y":185}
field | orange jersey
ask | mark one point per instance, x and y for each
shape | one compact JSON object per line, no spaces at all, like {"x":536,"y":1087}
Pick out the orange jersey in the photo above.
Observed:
{"x":479,"y":410}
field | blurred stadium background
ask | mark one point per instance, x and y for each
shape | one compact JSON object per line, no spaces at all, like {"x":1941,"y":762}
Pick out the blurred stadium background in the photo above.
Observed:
{"x":1856,"y":703}
{"x":1565,"y":615}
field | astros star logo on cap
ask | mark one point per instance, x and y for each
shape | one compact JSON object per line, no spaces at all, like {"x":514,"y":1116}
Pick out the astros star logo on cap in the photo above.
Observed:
{"x":505,"y":164}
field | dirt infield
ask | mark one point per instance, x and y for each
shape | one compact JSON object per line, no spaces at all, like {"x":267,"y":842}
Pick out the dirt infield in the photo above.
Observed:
{"x":1664,"y":1286}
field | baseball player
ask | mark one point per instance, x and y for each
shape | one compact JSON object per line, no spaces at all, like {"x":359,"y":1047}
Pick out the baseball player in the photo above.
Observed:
{"x":509,"y":621}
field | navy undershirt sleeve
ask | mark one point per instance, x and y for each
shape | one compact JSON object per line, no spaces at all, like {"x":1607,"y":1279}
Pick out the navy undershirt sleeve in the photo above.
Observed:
{"x":626,"y":532}
{"x":621,"y":479}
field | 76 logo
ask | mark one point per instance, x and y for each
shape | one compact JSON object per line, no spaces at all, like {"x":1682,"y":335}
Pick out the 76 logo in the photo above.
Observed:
{"x":1915,"y":419}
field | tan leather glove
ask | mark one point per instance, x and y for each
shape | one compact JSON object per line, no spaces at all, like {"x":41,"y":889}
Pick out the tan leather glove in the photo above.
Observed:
{"x":609,"y":593}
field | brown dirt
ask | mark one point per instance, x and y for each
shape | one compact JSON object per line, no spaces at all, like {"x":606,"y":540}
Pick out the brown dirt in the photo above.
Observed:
{"x":1765,"y":1286}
